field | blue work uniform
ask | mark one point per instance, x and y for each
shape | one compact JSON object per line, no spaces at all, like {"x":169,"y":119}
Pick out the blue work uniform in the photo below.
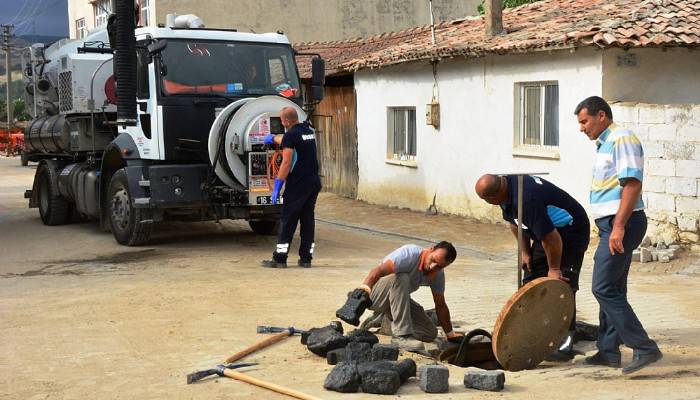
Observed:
{"x":300,"y":193}
{"x":545,"y":208}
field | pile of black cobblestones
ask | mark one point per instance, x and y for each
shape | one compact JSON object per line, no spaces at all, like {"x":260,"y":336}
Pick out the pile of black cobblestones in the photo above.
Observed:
{"x":360,"y":361}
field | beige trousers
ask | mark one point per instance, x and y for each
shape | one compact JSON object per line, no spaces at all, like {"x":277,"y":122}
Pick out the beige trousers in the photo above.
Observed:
{"x":391,"y":296}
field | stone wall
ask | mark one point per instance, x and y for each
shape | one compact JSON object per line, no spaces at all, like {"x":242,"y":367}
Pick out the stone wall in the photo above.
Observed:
{"x":670,"y":135}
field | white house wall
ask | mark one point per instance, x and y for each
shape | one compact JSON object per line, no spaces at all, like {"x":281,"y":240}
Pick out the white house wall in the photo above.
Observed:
{"x":476,"y":132}
{"x":653,"y":76}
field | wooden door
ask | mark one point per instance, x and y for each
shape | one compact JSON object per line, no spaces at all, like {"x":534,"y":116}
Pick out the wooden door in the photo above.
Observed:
{"x":335,"y":121}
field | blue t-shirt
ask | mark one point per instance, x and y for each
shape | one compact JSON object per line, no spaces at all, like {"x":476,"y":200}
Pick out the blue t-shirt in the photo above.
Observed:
{"x":545,"y":208}
{"x":302,"y":138}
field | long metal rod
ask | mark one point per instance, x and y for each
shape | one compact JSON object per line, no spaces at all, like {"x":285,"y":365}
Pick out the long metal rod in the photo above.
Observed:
{"x":432,"y":21}
{"x":520,"y":230}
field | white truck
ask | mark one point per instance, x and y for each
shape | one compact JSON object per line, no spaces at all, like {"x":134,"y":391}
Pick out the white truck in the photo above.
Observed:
{"x":160,"y":123}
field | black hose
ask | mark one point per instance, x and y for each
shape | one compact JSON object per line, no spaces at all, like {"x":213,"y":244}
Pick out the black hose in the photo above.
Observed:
{"x":125,"y":62}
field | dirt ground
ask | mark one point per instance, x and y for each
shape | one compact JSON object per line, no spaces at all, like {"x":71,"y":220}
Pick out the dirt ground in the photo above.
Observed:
{"x":83,"y":317}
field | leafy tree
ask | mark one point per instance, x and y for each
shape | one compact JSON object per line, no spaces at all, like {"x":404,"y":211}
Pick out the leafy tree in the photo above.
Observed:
{"x":20,"y":113}
{"x":508,"y":4}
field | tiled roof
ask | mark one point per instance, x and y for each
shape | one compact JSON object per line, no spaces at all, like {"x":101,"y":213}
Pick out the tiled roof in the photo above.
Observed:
{"x":544,"y":25}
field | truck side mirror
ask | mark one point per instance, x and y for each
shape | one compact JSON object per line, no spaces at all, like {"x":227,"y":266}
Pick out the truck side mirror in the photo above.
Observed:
{"x":157,"y":46}
{"x":318,"y":71}
{"x":317,"y":93}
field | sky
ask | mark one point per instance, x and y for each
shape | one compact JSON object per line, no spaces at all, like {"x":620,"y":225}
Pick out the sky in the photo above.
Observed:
{"x":41,"y":17}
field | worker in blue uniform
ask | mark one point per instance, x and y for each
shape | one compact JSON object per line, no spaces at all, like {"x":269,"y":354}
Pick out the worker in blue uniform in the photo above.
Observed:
{"x":298,"y":173}
{"x":556,"y":232}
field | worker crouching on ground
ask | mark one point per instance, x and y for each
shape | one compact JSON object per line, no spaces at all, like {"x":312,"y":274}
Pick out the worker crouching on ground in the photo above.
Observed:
{"x":556,"y":233}
{"x":390,"y":285}
{"x":299,"y":169}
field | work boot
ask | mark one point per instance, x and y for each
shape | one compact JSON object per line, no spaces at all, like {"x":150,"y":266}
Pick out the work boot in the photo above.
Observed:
{"x":304,"y":264}
{"x":600,"y":360}
{"x":373,"y":321}
{"x":565,"y":352}
{"x":640,"y":361}
{"x":273,"y":264}
{"x":408,"y":343}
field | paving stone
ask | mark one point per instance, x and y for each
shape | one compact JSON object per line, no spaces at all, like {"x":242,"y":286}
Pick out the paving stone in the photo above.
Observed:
{"x":407,"y":369}
{"x":644,"y":255}
{"x":358,"y":351}
{"x":493,"y":381}
{"x":635,"y":255}
{"x":388,"y":352}
{"x":343,"y":378}
{"x":380,"y":380}
{"x":362,"y":335}
{"x":335,"y":356}
{"x":434,"y":378}
{"x":325,"y":339}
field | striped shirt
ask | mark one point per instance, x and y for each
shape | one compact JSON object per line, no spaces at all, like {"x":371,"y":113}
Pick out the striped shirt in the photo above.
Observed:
{"x":618,"y":158}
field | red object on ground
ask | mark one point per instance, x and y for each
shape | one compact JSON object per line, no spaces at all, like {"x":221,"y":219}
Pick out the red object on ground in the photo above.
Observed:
{"x":11,"y":142}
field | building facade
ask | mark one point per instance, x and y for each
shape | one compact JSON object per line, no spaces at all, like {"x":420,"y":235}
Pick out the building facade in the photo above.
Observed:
{"x":301,"y":20}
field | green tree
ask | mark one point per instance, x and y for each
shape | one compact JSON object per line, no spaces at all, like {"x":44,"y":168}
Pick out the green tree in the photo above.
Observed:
{"x":20,"y":113}
{"x":508,"y":4}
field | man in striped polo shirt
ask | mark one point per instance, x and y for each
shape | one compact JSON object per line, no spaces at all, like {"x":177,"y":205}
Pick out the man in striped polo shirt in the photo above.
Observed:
{"x":618,"y":210}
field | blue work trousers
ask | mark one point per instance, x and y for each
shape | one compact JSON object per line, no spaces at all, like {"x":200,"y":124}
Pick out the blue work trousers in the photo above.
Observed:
{"x":618,"y":322}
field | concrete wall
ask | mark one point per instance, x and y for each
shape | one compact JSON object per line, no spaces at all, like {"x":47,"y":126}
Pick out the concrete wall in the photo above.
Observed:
{"x":476,"y":132}
{"x":670,"y":135}
{"x":317,"y":20}
{"x":652,"y":76}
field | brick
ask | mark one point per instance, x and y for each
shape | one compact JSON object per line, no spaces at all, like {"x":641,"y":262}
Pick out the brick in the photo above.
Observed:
{"x":388,"y":352}
{"x":688,"y":168}
{"x":660,"y":167}
{"x":635,"y":255}
{"x":644,"y":255}
{"x":655,"y":184}
{"x":653,"y":149}
{"x":660,"y":202}
{"x":677,"y":151}
{"x":662,"y":132}
{"x":688,"y":223}
{"x":688,"y":205}
{"x":689,"y":132}
{"x":689,"y":237}
{"x":343,"y":378}
{"x":626,"y":115}
{"x":434,"y":378}
{"x":651,"y":114}
{"x":358,"y":351}
{"x":681,"y":186}
{"x":493,"y":381}
{"x":335,"y":356}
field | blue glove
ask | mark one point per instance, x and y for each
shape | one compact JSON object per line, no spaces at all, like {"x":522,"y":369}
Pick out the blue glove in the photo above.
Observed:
{"x":276,"y":190}
{"x":269,"y":139}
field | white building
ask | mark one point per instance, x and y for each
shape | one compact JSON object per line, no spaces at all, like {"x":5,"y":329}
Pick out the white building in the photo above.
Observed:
{"x":506,"y":104}
{"x":86,"y":15}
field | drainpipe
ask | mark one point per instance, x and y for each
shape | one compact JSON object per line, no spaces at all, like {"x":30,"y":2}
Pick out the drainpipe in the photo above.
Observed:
{"x":493,"y":17}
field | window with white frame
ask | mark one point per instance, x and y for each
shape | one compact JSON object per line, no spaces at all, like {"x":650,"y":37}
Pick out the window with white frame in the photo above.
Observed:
{"x":401,"y":133}
{"x":102,"y":10}
{"x":537,"y":119}
{"x":80,"y":29}
{"x":144,"y":8}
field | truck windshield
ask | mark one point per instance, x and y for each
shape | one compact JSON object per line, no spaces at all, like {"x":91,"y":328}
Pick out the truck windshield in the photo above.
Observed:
{"x":229,"y":68}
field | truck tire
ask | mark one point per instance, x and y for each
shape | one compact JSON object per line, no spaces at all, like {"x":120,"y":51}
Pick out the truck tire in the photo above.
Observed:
{"x":24,"y":159}
{"x":53,"y":208}
{"x":130,"y":226}
{"x":267,"y":227}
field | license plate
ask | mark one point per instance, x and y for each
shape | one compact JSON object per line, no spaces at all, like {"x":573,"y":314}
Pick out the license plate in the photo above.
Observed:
{"x":267,"y":200}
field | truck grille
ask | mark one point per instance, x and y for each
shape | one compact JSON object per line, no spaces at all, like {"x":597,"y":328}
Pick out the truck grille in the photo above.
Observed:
{"x":65,"y":91}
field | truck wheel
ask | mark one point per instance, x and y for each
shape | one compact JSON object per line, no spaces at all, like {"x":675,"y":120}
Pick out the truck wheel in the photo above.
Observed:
{"x":129,"y":225}
{"x":264,"y":227}
{"x":24,"y":159}
{"x":53,"y":209}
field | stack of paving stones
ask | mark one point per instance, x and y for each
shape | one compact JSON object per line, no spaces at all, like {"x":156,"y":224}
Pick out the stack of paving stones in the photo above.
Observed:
{"x":361,"y":362}
{"x":660,"y":251}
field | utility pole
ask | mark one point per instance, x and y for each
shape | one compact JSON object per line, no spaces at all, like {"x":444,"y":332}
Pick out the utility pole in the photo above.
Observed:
{"x":6,"y":35}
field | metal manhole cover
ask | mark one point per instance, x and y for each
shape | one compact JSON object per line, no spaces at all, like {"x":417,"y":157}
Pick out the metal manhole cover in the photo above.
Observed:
{"x":532,"y":323}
